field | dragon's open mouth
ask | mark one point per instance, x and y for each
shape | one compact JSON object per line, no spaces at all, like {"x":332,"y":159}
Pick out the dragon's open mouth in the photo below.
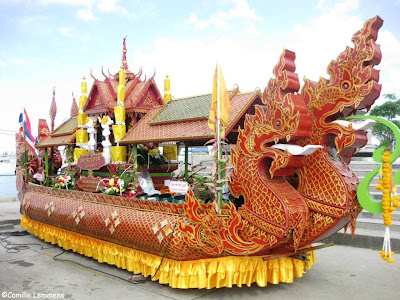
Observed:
{"x":297,"y":150}
{"x":358,"y":127}
{"x":363,"y":125}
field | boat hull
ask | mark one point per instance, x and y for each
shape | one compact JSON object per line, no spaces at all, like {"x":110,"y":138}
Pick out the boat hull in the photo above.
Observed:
{"x":141,"y":236}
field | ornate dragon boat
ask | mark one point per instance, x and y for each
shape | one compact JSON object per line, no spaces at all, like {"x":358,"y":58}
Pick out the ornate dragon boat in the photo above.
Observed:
{"x":290,"y":180}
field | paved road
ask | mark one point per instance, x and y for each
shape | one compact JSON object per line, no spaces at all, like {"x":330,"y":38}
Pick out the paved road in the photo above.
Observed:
{"x":340,"y":273}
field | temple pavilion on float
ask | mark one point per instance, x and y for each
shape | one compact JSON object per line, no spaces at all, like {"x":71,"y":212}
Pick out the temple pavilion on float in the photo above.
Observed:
{"x":124,"y":111}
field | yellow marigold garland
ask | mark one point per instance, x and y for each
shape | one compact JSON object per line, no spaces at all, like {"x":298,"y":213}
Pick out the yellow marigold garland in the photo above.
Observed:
{"x":389,"y":203}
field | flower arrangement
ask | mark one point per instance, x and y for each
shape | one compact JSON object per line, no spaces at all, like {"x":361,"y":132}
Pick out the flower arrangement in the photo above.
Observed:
{"x":114,"y":186}
{"x":63,"y":182}
{"x":67,"y":180}
{"x":150,"y":155}
{"x":122,"y":183}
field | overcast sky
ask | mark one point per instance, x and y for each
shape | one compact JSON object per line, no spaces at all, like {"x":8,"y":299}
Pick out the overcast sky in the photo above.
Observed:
{"x":48,"y":43}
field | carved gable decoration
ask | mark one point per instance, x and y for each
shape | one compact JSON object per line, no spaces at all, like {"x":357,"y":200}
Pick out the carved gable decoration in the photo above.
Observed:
{"x":148,"y":99}
{"x":142,"y":95}
{"x":44,"y":130}
{"x":97,"y":99}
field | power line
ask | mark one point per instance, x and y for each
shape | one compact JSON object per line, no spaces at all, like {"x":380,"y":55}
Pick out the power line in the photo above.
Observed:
{"x":5,"y":133}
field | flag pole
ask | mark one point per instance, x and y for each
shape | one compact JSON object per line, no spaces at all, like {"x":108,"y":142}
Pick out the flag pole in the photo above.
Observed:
{"x":218,"y":184}
{"x":25,"y":156}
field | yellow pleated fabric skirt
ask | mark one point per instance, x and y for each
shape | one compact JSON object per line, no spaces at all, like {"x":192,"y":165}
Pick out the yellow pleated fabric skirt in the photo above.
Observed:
{"x":202,"y":273}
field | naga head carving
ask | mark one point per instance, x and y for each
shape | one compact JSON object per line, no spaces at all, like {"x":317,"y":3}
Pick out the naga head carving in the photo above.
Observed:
{"x":310,"y":119}
{"x":352,"y":86}
{"x":283,"y":116}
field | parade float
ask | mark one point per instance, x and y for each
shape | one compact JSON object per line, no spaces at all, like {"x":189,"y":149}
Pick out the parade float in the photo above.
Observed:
{"x":283,"y":157}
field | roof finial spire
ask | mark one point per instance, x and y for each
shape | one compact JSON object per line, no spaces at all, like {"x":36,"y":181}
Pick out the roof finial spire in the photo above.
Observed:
{"x":53,"y":109}
{"x":74,"y":107}
{"x":124,"y":61}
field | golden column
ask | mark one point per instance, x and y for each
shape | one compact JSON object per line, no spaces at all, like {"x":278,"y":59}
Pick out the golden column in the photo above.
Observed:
{"x":170,"y":149}
{"x":167,"y":89}
{"x":81,"y":133}
{"x":118,"y":153}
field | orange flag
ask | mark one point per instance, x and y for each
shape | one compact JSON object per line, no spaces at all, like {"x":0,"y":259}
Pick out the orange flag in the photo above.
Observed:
{"x":225,"y":104}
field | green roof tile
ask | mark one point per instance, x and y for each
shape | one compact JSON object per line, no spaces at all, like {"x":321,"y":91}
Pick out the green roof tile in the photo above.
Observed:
{"x":184,"y":109}
{"x":68,"y":127}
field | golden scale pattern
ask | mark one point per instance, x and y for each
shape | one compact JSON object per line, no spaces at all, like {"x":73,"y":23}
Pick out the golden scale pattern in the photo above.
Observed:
{"x":255,"y":189}
{"x":259,"y":223}
{"x":326,"y":186}
{"x":333,"y":183}
{"x":272,"y":199}
{"x":326,"y":209}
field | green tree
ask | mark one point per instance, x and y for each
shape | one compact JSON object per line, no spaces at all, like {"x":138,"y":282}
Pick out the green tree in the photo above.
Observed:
{"x":389,"y":110}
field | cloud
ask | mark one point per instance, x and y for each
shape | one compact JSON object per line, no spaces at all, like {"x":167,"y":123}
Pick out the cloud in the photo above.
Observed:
{"x":248,"y":60}
{"x":69,"y":33}
{"x":321,"y":3}
{"x":65,"y":31}
{"x":86,"y":12}
{"x":31,"y":20}
{"x":390,"y":64}
{"x":323,"y":38}
{"x":111,"y":6}
{"x":68,"y":2}
{"x":190,"y":63}
{"x":221,"y":19}
{"x":25,"y":61}
{"x":19,"y":61}
{"x":38,"y":96}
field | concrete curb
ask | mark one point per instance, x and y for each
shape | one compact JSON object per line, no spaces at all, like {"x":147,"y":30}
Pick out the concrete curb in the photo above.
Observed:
{"x":8,"y":199}
{"x":10,"y":222}
{"x":370,"y":240}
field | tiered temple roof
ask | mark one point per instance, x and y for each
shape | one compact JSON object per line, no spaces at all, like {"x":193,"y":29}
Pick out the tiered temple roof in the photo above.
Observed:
{"x":140,"y":95}
{"x":62,"y":135}
{"x":186,"y":119}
